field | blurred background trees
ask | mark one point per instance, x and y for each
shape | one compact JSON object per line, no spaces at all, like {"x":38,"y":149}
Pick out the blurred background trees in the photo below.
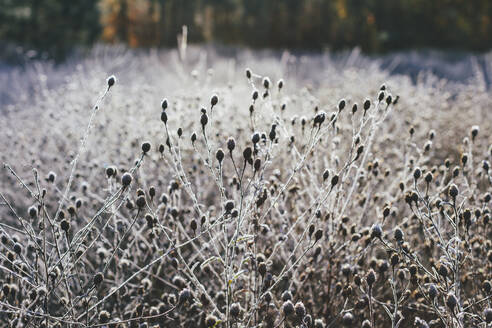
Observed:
{"x":56,"y":26}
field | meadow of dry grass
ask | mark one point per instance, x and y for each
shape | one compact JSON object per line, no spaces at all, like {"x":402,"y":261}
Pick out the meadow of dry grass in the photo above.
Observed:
{"x":262,"y":191}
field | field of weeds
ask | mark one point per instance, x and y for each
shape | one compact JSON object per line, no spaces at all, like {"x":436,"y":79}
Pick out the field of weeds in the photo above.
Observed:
{"x":193,"y":189}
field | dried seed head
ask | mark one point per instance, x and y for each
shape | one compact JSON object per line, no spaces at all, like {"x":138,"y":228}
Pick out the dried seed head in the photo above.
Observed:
{"x":51,"y":177}
{"x":341,"y":105}
{"x":417,"y":174}
{"x":474,"y":131}
{"x":141,"y":202}
{"x":235,"y":310}
{"x":248,"y":73}
{"x":366,"y":324}
{"x":266,"y":82}
{"x":111,"y":81}
{"x":257,"y":164}
{"x":319,"y":323}
{"x":348,"y":319}
{"x":354,"y":108}
{"x":453,"y":191}
{"x":487,"y":315}
{"x":219,"y":155}
{"x":334,"y":181}
{"x":319,"y":118}
{"x":214,"y":100}
{"x":17,"y":248}
{"x":184,"y":296}
{"x":326,"y":174}
{"x":300,"y":310}
{"x":229,"y":206}
{"x":146,"y":147}
{"x":286,"y":296}
{"x":287,"y":308}
{"x":371,"y":277}
{"x":104,"y":316}
{"x":65,"y":225}
{"x":429,"y":177}
{"x":164,"y":104}
{"x":33,"y":211}
{"x":211,"y":320}
{"x":376,"y":231}
{"x":126,"y":179}
{"x":398,"y":234}
{"x":204,"y":120}
{"x":280,"y":84}
{"x":255,"y":138}
{"x":247,"y":153}
{"x":451,"y":301}
{"x":367,"y":104}
{"x":98,"y":278}
{"x":231,"y":144}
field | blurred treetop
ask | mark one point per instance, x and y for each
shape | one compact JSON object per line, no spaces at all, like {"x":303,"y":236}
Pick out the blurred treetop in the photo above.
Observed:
{"x":374,"y":25}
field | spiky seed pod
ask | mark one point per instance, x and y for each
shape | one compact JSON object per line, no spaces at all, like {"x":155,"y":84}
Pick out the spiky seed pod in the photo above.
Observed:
{"x":248,"y":73}
{"x":287,"y":308}
{"x":126,"y":179}
{"x":146,"y":147}
{"x":266,"y":82}
{"x":318,"y":235}
{"x":417,"y":173}
{"x":111,"y":81}
{"x":432,"y":291}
